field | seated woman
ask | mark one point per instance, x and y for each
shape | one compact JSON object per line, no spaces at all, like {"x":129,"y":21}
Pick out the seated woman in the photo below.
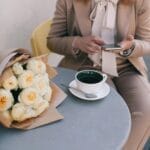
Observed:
{"x":82,"y":28}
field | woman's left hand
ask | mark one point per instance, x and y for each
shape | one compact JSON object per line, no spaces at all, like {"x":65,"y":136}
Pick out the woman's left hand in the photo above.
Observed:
{"x":127,"y":43}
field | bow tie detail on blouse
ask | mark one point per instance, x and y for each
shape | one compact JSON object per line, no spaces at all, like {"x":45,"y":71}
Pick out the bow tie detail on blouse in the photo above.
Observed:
{"x":107,"y":9}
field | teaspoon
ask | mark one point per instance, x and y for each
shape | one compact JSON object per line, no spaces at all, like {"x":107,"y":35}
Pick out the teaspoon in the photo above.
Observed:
{"x":87,"y":95}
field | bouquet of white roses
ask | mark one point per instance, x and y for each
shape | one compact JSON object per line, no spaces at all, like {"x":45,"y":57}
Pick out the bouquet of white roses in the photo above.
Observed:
{"x":25,"y":90}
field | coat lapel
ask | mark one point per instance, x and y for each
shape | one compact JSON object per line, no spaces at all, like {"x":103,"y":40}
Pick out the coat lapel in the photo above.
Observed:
{"x":82,"y":14}
{"x":126,"y":24}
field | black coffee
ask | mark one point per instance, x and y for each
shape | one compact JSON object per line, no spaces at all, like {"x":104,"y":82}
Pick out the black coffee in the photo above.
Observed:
{"x":89,"y":77}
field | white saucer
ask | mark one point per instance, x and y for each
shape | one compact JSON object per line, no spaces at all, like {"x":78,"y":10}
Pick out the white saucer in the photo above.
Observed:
{"x":102,"y":93}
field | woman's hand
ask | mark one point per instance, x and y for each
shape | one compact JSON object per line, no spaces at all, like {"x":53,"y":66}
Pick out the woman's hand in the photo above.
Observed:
{"x":89,"y":44}
{"x":127,"y":43}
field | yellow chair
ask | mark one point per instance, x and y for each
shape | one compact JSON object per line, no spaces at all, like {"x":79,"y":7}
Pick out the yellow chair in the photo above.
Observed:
{"x":38,"y":39}
{"x":39,"y":43}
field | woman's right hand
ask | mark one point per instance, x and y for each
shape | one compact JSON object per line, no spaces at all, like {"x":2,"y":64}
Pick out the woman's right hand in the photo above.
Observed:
{"x":89,"y":44}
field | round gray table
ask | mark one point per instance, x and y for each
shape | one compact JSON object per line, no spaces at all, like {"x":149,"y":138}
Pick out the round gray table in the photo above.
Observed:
{"x":98,"y":125}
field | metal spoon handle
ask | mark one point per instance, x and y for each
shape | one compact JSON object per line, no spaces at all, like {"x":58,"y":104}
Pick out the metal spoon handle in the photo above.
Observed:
{"x":67,"y":86}
{"x":88,"y":95}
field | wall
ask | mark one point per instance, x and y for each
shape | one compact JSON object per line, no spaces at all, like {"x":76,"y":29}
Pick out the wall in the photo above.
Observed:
{"x":18,"y":18}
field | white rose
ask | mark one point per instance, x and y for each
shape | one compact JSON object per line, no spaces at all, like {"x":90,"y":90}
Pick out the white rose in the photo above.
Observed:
{"x":40,"y":84}
{"x":21,"y":112}
{"x":46,"y":77}
{"x":26,"y":79}
{"x":18,"y":111}
{"x":17,"y":68}
{"x":10,"y":83}
{"x":28,"y":96}
{"x":41,"y":106}
{"x":47,"y":96}
{"x":6,"y":100}
{"x":37,"y":66}
{"x":29,"y":113}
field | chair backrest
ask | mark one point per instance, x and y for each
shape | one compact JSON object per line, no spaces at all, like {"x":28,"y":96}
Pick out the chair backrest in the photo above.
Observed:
{"x":38,"y":38}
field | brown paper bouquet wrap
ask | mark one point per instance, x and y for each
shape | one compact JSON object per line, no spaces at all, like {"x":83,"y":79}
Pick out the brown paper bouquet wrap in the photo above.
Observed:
{"x":28,"y":97}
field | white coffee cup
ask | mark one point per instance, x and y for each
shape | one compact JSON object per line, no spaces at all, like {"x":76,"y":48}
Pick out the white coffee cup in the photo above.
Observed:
{"x":90,"y":81}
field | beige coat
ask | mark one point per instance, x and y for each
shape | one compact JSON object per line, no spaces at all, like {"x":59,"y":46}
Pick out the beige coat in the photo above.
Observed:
{"x":72,"y":19}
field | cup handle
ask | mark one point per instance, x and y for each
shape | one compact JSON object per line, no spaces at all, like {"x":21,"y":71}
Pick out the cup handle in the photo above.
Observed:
{"x":104,"y":77}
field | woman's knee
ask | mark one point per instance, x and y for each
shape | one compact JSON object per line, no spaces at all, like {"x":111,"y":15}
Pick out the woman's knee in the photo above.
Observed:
{"x":135,"y":90}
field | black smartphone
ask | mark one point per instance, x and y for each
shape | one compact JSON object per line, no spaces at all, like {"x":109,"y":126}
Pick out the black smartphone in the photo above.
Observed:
{"x":111,"y":47}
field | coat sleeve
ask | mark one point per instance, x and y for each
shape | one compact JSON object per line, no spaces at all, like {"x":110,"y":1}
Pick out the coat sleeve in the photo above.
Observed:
{"x":58,"y":39}
{"x":142,"y":41}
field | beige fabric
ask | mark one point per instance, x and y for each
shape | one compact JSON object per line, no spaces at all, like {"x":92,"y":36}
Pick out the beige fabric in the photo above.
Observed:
{"x":72,"y":19}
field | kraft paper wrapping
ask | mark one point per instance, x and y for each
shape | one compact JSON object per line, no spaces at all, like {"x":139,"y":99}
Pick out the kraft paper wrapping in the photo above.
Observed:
{"x":58,"y":96}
